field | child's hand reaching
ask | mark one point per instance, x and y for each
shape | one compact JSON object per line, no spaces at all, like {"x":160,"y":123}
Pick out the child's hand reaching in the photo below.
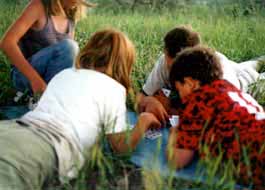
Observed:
{"x":148,"y":121}
{"x":120,"y":142}
{"x":154,"y":106}
{"x":163,"y":99}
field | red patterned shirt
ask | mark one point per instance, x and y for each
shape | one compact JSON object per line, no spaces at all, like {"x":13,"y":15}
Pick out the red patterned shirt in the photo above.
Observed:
{"x":226,"y":120}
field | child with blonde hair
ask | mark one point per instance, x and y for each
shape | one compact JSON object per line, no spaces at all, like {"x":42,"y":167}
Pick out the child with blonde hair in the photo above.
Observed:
{"x":78,"y":105}
{"x":40,"y":43}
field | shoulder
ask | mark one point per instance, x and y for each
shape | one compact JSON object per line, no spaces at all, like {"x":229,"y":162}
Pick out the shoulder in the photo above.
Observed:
{"x":207,"y":94}
{"x":93,"y":78}
{"x":112,"y":86}
{"x":88,"y":76}
{"x":224,"y":60}
{"x":229,"y":69}
{"x":36,"y":5}
{"x":220,"y":55}
{"x":160,"y":65}
{"x":34,"y":10}
{"x":161,"y":60}
{"x":86,"y":84}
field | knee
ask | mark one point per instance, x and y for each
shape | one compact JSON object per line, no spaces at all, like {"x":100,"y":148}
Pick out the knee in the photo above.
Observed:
{"x":70,"y":47}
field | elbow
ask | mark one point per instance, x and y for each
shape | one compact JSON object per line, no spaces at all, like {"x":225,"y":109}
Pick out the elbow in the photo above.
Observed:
{"x":121,"y":143}
{"x":3,"y":45}
{"x":174,"y":165}
{"x":171,"y":160}
{"x":121,"y":149}
{"x":7,"y":44}
{"x":178,"y":159}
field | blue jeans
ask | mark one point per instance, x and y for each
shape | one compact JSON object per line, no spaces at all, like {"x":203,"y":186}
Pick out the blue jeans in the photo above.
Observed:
{"x":47,"y":62}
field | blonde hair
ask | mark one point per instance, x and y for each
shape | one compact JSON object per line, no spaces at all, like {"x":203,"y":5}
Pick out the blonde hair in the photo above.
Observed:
{"x":111,"y":52}
{"x":55,"y":7}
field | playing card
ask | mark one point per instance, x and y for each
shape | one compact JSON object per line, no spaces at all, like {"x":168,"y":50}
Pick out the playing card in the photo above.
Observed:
{"x":166,"y":92}
{"x":153,"y":134}
{"x":174,"y":120}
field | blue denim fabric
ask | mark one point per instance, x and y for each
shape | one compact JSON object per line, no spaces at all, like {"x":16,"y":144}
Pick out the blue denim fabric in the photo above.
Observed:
{"x":48,"y":62}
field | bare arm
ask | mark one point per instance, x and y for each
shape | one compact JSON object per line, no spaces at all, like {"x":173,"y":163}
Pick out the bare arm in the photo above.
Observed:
{"x":140,"y":102}
{"x":177,"y":158}
{"x":127,"y":141}
{"x":9,"y":44}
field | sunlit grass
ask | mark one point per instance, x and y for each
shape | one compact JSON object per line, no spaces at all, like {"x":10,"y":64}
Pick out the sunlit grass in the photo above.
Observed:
{"x":238,"y":37}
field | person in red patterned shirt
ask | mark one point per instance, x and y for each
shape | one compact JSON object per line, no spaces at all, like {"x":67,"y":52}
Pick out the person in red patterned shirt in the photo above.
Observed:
{"x":216,"y":114}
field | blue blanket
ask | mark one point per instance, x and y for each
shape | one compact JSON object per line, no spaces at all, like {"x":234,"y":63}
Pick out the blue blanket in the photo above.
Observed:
{"x":150,"y":154}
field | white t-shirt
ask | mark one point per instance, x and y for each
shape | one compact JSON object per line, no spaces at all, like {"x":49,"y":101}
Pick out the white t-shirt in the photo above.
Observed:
{"x":80,"y":103}
{"x":239,"y":75}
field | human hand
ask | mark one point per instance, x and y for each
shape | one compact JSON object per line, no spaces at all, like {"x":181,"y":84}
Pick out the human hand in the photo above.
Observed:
{"x":163,"y":99}
{"x":152,"y":105}
{"x":148,"y":121}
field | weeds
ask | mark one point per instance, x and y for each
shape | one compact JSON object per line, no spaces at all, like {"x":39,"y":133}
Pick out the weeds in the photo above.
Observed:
{"x":230,"y":30}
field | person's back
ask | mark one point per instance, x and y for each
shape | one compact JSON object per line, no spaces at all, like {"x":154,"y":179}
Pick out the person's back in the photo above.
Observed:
{"x":236,"y":111}
{"x":228,"y":122}
{"x":79,"y":105}
{"x":74,"y":102}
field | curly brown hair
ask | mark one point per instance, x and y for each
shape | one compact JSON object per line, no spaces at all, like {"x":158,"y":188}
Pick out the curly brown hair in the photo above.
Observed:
{"x":199,"y":63}
{"x":179,"y":38}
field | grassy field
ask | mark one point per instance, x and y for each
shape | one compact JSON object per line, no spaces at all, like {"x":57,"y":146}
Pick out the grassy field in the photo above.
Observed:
{"x":240,"y":37}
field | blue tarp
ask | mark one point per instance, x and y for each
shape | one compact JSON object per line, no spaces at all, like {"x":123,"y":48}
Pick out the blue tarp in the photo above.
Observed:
{"x":150,"y":154}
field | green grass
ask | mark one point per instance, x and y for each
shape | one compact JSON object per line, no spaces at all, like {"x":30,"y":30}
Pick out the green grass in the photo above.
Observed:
{"x":238,"y":37}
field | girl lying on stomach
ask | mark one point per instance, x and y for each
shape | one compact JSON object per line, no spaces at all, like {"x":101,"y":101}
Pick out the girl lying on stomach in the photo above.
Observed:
{"x":78,"y":104}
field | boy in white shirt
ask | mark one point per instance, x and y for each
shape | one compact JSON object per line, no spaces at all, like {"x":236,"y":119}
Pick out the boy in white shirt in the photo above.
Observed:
{"x":179,"y":38}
